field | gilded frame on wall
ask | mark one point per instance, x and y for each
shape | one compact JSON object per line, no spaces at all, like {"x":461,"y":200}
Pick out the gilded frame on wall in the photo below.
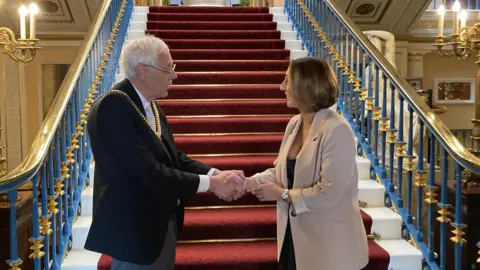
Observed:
{"x":454,"y":90}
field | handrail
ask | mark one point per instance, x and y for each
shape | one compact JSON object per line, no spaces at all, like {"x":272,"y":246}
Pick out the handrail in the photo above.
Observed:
{"x":431,"y":120}
{"x":39,"y":149}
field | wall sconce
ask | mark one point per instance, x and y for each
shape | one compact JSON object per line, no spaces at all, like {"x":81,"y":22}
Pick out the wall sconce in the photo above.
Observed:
{"x":22,"y":50}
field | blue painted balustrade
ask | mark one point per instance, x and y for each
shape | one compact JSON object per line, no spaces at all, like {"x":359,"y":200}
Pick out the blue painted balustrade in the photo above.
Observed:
{"x":396,"y":131}
{"x":57,"y":166}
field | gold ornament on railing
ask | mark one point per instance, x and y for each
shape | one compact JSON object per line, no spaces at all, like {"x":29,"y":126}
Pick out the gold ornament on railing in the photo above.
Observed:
{"x":80,"y":128}
{"x":400,"y":149}
{"x":458,"y":234}
{"x":45,"y":225}
{"x":444,"y":213}
{"x":24,"y":49}
{"x":75,"y":142}
{"x":412,"y":242}
{"x":383,"y":124}
{"x":70,"y":155}
{"x":64,"y":170}
{"x":37,"y":245}
{"x":59,"y":187}
{"x":392,"y":136}
{"x":431,"y":195}
{"x":52,"y":205}
{"x":15,"y":265}
{"x":363,"y":94}
{"x":362,"y":203}
{"x":369,"y":103}
{"x":410,"y":163}
{"x":420,"y":179}
{"x":351,"y":78}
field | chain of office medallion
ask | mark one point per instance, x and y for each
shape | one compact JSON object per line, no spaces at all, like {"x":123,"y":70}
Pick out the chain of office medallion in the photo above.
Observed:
{"x":158,"y":132}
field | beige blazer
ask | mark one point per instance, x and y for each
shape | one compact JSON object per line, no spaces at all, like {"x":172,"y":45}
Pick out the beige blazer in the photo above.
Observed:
{"x":327,"y":229}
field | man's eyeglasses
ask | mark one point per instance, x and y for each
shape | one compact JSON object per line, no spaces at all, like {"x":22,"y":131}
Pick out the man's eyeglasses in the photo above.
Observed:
{"x":164,"y":70}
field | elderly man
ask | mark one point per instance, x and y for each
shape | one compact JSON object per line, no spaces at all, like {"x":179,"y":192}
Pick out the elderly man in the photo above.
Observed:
{"x":141,"y":180}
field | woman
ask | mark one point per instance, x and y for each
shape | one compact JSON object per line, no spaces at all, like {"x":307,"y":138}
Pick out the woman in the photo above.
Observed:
{"x":314,"y":180}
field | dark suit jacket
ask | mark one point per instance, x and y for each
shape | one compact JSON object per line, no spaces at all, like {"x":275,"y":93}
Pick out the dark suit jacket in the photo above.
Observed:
{"x":138,"y":179}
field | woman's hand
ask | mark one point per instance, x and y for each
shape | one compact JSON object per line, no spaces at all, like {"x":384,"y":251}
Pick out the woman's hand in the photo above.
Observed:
{"x":250,"y":184}
{"x":268,"y":192}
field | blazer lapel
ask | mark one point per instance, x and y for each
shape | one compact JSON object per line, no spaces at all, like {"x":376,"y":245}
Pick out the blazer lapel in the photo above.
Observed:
{"x":306,"y":169}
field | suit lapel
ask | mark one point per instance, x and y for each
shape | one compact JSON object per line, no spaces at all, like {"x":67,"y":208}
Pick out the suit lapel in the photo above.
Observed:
{"x":127,"y":87}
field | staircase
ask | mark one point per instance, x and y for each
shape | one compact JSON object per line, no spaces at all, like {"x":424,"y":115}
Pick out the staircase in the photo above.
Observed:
{"x":226,"y":110}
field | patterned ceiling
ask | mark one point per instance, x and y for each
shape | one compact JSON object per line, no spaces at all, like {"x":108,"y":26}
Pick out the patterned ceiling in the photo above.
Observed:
{"x":56,"y":17}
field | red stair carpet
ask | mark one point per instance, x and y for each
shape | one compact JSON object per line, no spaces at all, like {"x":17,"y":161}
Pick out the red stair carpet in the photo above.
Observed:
{"x":226,"y":110}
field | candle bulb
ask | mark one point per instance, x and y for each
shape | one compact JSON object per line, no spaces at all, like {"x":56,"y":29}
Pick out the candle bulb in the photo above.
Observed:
{"x":456,"y":10}
{"x":33,"y":10}
{"x":441,"y":17}
{"x":23,"y":30}
{"x":463,"y":18}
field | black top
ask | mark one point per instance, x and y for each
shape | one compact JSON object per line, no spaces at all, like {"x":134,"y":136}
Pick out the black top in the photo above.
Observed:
{"x":290,"y":171}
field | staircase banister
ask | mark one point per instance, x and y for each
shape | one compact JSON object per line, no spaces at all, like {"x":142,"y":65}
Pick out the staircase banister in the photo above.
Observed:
{"x":46,"y":133}
{"x":446,"y":138}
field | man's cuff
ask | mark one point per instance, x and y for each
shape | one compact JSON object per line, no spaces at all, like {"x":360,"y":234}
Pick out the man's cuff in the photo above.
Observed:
{"x":204,"y":183}
{"x":212,"y":171}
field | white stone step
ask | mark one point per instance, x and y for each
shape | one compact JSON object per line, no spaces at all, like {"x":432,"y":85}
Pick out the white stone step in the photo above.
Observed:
{"x":371,"y":192}
{"x":80,"y":231}
{"x":138,"y":26}
{"x":276,"y":10}
{"x":280,"y":18}
{"x":81,"y":259}
{"x":284,"y":26}
{"x":87,"y":200}
{"x":289,"y":35}
{"x":295,"y":54}
{"x":139,"y":17}
{"x":293,"y":45}
{"x":132,"y":34}
{"x":403,"y":256}
{"x":385,"y":222}
{"x":141,"y":9}
{"x":363,"y":167}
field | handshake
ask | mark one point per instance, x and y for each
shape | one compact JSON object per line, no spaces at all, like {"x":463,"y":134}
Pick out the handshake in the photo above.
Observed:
{"x":228,"y":185}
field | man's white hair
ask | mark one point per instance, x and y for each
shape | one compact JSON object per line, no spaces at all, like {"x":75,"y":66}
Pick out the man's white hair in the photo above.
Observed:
{"x":143,"y":50}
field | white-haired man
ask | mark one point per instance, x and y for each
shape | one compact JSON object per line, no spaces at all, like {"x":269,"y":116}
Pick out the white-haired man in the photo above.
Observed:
{"x":141,"y":180}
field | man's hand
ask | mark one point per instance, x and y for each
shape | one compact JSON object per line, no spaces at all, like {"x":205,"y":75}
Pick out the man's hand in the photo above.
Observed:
{"x":227,"y":185}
